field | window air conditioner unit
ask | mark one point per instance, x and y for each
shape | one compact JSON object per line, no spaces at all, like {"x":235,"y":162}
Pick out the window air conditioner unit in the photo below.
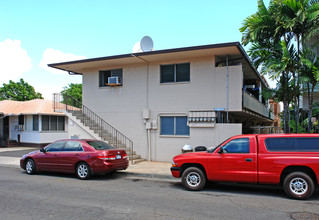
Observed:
{"x":19,"y":127}
{"x":114,"y":81}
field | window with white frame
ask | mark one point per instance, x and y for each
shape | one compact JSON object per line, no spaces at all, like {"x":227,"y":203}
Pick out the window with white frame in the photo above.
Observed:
{"x":53,"y":123}
{"x":174,"y":125}
{"x":173,"y":73}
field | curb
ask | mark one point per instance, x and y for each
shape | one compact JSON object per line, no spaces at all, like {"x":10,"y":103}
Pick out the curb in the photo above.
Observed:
{"x":146,"y":176}
{"x":132,"y":175}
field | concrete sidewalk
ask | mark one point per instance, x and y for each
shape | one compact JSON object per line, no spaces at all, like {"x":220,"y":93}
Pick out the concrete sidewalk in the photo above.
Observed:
{"x":144,"y":170}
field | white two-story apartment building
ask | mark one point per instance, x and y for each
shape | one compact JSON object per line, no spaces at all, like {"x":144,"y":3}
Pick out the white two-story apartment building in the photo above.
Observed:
{"x":165,"y":99}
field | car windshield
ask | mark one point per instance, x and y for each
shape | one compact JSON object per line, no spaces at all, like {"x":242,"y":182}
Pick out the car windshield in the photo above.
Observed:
{"x":100,"y":145}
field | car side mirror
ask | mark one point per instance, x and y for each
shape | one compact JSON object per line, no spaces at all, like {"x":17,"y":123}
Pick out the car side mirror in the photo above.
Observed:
{"x":221,"y":150}
{"x":42,"y":150}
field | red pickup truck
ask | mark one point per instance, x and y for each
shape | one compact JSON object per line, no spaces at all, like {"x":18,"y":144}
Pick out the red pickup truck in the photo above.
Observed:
{"x":291,"y":160}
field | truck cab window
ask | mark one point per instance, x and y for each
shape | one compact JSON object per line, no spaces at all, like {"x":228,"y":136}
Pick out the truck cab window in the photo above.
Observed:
{"x":240,"y":145}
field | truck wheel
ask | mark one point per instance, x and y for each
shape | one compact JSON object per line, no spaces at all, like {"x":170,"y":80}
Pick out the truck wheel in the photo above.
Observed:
{"x":298,"y":185}
{"x":193,"y":179}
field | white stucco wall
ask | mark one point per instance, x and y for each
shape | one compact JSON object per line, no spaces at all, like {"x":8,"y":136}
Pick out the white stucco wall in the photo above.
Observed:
{"x":36,"y":137}
{"x":75,"y":131}
{"x":123,"y":106}
{"x":164,"y":148}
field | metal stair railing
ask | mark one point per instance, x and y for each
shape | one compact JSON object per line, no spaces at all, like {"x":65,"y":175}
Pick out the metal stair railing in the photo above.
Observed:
{"x":99,"y":125}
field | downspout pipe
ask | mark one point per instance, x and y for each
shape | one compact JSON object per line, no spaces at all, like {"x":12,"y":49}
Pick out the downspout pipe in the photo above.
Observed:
{"x":227,"y":88}
{"x":148,"y":130}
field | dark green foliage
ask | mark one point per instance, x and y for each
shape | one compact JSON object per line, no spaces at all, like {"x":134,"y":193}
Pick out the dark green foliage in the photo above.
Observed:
{"x":277,"y":35}
{"x":72,"y":94}
{"x":18,"y":91}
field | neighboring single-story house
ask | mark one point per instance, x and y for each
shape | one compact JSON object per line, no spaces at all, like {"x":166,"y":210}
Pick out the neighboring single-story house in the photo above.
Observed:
{"x":165,"y":99}
{"x":35,"y":123}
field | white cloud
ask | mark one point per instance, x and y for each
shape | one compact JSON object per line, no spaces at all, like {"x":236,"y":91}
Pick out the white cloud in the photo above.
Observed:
{"x":14,"y":61}
{"x":55,"y":56}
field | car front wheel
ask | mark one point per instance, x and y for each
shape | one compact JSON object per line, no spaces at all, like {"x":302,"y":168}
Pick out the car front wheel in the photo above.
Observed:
{"x":193,"y":179}
{"x":30,"y":167}
{"x":298,"y":185}
{"x":83,"y":171}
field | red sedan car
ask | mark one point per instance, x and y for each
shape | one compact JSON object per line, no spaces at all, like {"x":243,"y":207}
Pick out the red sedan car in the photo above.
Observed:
{"x":83,"y":157}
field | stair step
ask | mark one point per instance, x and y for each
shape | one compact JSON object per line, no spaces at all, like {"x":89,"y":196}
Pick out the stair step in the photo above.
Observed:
{"x":86,"y":120}
{"x":135,"y":157}
{"x":110,"y":139}
{"x":119,"y":146}
{"x":129,"y":152}
{"x":103,"y":132}
{"x":75,"y":111}
{"x":138,"y":161}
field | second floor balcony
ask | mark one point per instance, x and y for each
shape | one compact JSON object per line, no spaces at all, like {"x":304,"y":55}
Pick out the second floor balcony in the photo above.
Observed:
{"x":251,"y":103}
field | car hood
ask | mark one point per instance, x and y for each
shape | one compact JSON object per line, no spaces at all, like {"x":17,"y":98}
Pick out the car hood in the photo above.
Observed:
{"x":31,"y":153}
{"x":34,"y":152}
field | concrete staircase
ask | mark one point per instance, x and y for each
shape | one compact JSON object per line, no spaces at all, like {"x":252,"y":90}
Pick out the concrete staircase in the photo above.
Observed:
{"x":101,"y":132}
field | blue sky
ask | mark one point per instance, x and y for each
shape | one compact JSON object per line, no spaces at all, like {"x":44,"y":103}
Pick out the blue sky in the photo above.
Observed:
{"x":34,"y":33}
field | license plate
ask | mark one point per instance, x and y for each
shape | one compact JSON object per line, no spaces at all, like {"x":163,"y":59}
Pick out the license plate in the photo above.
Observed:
{"x":118,"y":157}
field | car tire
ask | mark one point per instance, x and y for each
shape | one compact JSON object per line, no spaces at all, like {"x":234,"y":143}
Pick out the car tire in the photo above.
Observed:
{"x":30,"y":167}
{"x":83,"y":171}
{"x":193,"y":179}
{"x":298,"y":185}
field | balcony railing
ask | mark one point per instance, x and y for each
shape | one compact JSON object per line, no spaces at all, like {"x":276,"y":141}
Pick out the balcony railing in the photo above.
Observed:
{"x":253,"y":104}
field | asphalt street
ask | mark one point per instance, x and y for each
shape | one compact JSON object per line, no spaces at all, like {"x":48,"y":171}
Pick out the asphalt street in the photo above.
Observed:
{"x":19,"y":153}
{"x":61,"y":196}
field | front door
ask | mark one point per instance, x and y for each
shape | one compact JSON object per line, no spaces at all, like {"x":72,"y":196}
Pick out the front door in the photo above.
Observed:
{"x":6,"y":127}
{"x":236,"y":163}
{"x":50,"y":159}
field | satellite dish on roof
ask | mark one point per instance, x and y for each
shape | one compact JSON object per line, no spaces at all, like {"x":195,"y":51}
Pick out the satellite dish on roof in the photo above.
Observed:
{"x":137,"y":47}
{"x":145,"y":45}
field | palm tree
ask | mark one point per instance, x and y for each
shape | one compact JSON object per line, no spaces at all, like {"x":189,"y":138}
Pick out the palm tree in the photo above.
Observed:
{"x":280,"y":24}
{"x":310,"y":76}
{"x":280,"y":67}
{"x":297,"y":18}
{"x":266,"y":50}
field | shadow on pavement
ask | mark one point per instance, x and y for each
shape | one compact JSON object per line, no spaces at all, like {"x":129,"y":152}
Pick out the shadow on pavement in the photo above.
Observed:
{"x":227,"y":189}
{"x":96,"y":177}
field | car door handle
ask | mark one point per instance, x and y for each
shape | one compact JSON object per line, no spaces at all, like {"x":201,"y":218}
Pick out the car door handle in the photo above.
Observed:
{"x":55,"y":155}
{"x":249,"y":160}
{"x":77,"y":155}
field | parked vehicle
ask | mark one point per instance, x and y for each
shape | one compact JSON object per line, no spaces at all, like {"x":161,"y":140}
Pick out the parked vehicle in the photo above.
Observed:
{"x":291,"y":160}
{"x":82,"y":157}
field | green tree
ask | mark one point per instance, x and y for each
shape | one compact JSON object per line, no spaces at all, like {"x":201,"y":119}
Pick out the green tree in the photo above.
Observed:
{"x":310,"y":78}
{"x":72,"y":94}
{"x":267,"y":51}
{"x":18,"y":91}
{"x":271,"y":32}
{"x":298,"y":19}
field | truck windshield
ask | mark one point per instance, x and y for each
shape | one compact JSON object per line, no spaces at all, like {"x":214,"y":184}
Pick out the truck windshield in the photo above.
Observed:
{"x":212,"y":150}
